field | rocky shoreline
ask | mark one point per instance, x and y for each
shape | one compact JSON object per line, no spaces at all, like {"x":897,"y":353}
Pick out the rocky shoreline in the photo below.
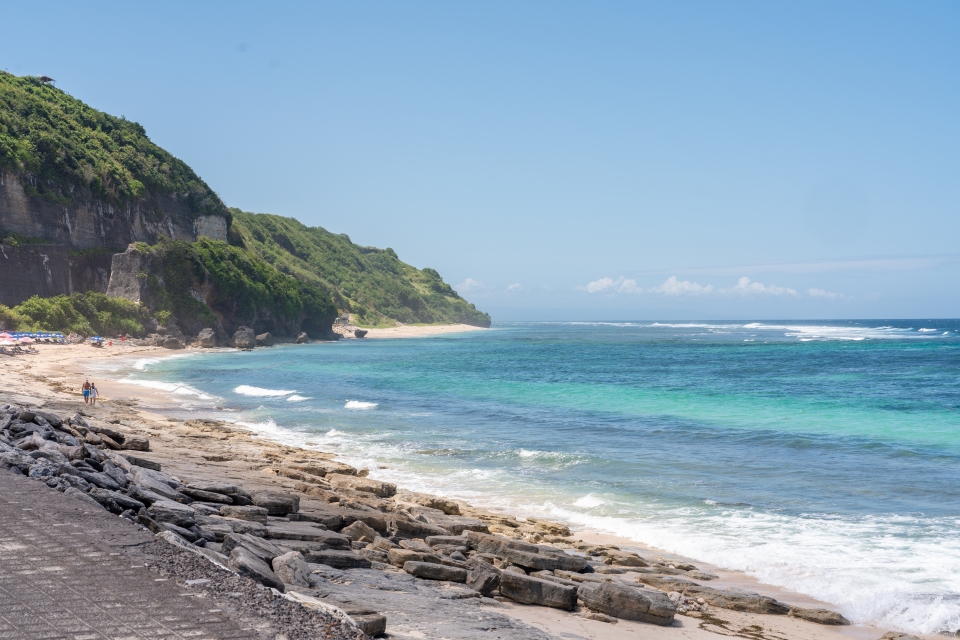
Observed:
{"x":312,"y":530}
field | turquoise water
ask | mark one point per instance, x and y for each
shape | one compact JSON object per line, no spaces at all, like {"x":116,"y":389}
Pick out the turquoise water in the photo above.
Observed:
{"x":822,"y":457}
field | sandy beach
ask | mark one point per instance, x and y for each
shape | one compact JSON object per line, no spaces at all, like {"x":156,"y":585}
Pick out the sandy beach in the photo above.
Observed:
{"x":201,"y":451}
{"x":407,"y":331}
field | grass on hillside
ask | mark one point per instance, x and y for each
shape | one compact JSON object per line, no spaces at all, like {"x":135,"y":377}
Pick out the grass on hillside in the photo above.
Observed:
{"x":66,"y":149}
{"x":373,"y":284}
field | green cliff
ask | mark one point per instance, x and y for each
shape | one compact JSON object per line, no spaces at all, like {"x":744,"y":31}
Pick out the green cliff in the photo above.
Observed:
{"x":371,"y":283}
{"x":89,"y":205}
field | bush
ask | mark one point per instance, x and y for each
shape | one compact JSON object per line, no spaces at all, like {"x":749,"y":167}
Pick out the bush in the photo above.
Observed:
{"x":84,"y":313}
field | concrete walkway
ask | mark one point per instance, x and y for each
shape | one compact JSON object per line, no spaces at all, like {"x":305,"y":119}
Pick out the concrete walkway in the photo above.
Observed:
{"x":67,"y":571}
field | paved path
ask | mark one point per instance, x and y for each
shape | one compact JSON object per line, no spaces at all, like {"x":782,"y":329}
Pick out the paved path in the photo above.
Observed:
{"x":64,"y":574}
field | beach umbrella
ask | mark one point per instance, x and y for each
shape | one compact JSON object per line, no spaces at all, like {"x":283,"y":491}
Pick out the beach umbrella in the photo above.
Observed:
{"x":7,"y":343}
{"x":27,"y":340}
{"x":5,"y":336}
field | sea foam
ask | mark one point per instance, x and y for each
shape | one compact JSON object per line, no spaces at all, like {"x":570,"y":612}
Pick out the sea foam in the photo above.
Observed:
{"x":247,"y":390}
{"x":357,"y":405}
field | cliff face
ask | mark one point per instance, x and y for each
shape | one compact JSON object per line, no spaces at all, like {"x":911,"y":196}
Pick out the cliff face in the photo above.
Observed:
{"x":90,"y":223}
{"x":48,"y":270}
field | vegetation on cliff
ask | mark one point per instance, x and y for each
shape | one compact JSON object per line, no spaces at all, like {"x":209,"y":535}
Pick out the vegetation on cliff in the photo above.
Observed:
{"x":84,"y":313}
{"x":371,"y":283}
{"x":274,"y":270}
{"x":66,"y":149}
{"x":209,"y":283}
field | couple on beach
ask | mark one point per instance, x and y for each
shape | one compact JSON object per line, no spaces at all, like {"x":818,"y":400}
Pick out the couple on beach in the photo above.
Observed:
{"x":90,"y":392}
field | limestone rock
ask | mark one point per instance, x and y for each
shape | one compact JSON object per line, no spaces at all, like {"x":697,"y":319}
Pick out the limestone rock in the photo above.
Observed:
{"x":303,"y":338}
{"x":259,"y":547}
{"x":431,"y":571}
{"x":307,"y":532}
{"x":226,"y":489}
{"x":399,"y":557}
{"x":483,"y":578}
{"x":172,"y":343}
{"x":172,"y":512}
{"x":206,"y":496}
{"x":629,"y":603}
{"x":292,"y":569}
{"x":820,"y":616}
{"x":359,"y":531}
{"x":449,"y":507}
{"x":207,"y":338}
{"x":265,"y":340}
{"x":252,"y":513}
{"x":244,"y":338}
{"x":409,"y":527}
{"x":276,"y":503}
{"x":337,"y":559}
{"x":136,"y":443}
{"x":244,"y":562}
{"x":80,"y":495}
{"x":527,"y":590}
{"x":364,"y":485}
{"x":528,"y":556}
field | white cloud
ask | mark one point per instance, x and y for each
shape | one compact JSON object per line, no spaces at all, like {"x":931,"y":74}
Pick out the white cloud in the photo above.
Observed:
{"x":673,"y":287}
{"x":620,"y":285}
{"x":820,"y":293}
{"x":514,"y":287}
{"x":469,"y":285}
{"x":745,"y":288}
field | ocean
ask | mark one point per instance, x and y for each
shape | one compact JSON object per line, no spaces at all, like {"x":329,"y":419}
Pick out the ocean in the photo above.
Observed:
{"x":823,"y":457}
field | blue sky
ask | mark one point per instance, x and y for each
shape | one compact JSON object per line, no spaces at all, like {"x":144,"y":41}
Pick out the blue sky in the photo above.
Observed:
{"x":564,"y":160}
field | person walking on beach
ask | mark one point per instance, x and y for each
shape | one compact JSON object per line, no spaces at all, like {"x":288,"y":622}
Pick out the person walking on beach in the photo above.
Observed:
{"x":93,"y":393}
{"x":86,"y":391}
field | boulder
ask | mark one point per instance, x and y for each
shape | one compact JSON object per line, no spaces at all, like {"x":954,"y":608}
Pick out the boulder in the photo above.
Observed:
{"x":306,"y":532}
{"x":449,"y":507}
{"x":292,"y":569}
{"x":303,"y":338}
{"x":136,"y":443}
{"x":735,"y":599}
{"x":225,"y":489}
{"x":820,"y":616}
{"x":358,"y":531}
{"x":206,"y":496}
{"x":207,"y":338}
{"x":252,"y":513}
{"x":364,"y":485}
{"x":483,"y":578}
{"x":244,"y":562}
{"x":528,"y":556}
{"x":115,"y":501}
{"x":172,"y":343}
{"x":172,"y":512}
{"x":265,"y":340}
{"x":629,"y":603}
{"x":526,"y":590}
{"x":259,"y":547}
{"x":896,"y":635}
{"x":244,"y":338}
{"x":359,"y":333}
{"x":411,"y":528}
{"x":276,"y":503}
{"x":399,"y":557}
{"x":431,"y":571}
{"x":80,"y":495}
{"x":337,"y":559}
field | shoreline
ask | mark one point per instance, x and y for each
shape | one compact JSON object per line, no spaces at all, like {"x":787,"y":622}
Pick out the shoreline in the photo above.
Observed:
{"x":47,"y":376}
{"x":406,"y":331}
